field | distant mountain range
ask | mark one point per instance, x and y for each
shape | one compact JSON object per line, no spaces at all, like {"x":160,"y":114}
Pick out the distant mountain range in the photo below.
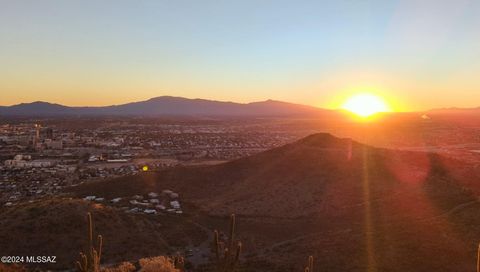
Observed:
{"x":167,"y":106}
{"x":455,"y":110}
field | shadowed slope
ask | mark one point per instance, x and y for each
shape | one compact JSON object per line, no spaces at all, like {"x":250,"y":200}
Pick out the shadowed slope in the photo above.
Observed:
{"x":316,"y":174}
{"x":58,"y":227}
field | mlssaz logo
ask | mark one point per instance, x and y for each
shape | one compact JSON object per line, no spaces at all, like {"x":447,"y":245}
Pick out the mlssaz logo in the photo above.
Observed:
{"x":41,"y":259}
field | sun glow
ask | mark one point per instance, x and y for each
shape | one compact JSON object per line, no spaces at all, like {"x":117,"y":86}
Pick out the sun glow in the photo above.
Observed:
{"x":365,"y":105}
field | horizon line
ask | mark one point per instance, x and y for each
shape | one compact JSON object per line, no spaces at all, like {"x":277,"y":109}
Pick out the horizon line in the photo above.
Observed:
{"x":235,"y":102}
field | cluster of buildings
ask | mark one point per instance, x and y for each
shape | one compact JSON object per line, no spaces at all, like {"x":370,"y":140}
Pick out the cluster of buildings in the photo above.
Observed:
{"x":125,"y":140}
{"x":25,"y":161}
{"x":39,"y":158}
{"x":166,"y":202}
{"x":24,"y":179}
{"x":39,"y":186}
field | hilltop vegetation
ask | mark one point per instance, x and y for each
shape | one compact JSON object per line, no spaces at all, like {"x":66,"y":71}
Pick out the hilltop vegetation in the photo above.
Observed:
{"x":57,"y":227}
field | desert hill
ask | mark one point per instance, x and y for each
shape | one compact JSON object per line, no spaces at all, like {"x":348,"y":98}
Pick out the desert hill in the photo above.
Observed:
{"x":354,"y":206}
{"x":59,"y":227}
{"x":313,"y":175}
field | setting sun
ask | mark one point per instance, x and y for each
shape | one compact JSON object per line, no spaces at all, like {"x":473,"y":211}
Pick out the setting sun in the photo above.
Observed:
{"x":365,"y":105}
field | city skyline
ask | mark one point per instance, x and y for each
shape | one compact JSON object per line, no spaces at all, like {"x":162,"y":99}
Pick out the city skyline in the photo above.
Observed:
{"x":416,"y":56}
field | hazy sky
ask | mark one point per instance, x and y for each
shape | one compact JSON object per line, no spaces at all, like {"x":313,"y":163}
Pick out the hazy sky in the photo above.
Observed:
{"x":417,"y":53}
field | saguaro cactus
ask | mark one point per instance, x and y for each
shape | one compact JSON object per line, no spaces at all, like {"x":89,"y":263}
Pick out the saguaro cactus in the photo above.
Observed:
{"x":90,"y":262}
{"x":227,"y":255}
{"x":478,"y":258}
{"x":309,"y":267}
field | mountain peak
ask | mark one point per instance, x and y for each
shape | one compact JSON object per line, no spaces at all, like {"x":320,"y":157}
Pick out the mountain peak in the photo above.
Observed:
{"x":167,"y":97}
{"x":35,"y":103}
{"x":324,"y":140}
{"x":39,"y":104}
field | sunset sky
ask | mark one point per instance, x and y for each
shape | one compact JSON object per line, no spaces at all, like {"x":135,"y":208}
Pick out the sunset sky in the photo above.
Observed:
{"x":415,"y":54}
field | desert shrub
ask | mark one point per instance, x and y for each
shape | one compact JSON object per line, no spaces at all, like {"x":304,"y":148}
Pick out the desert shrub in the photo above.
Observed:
{"x":123,"y":267}
{"x":12,"y":268}
{"x":157,"y":264}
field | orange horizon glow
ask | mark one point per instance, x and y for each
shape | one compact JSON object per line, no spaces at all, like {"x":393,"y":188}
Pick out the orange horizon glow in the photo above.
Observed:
{"x":365,"y":105}
{"x":102,"y":53}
